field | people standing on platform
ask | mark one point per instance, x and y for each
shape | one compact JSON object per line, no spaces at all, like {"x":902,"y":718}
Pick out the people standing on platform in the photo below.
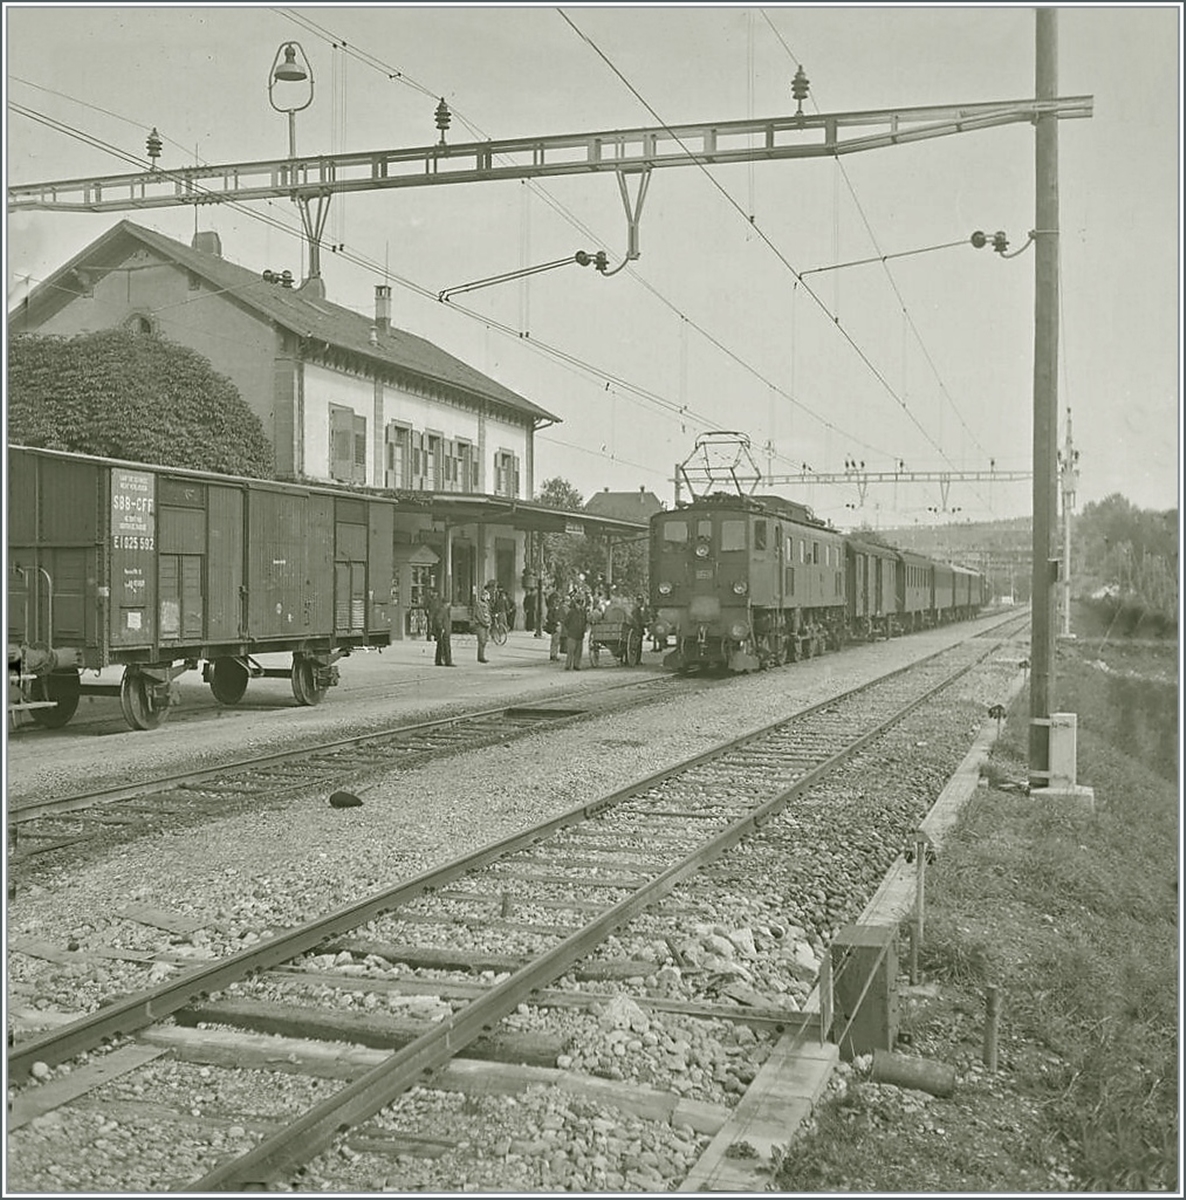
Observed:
{"x":482,"y":619}
{"x":576,"y":621}
{"x":529,"y":610}
{"x":440,"y":622}
{"x":553,"y":619}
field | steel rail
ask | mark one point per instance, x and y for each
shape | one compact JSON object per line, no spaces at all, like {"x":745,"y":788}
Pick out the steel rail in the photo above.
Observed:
{"x":136,"y":1011}
{"x":365,"y":1096}
{"x":21,"y":812}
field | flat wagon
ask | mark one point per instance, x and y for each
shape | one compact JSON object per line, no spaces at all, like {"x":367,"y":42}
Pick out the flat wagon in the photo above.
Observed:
{"x":159,"y":569}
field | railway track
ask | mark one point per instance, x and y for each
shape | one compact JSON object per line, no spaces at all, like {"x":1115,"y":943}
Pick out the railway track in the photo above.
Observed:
{"x":65,"y":823}
{"x":531,"y":910}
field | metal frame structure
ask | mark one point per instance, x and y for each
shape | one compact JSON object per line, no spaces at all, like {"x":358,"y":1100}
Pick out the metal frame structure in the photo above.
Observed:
{"x":314,"y":179}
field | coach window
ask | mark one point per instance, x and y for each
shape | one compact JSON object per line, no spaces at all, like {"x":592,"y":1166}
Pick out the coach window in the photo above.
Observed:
{"x":759,"y":535}
{"x":675,"y":535}
{"x":732,"y":535}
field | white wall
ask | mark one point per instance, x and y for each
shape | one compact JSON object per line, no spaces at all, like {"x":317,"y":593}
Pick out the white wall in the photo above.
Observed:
{"x":323,"y":387}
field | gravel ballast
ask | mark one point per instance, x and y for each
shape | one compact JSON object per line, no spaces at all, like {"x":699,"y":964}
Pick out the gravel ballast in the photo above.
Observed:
{"x":246,"y":877}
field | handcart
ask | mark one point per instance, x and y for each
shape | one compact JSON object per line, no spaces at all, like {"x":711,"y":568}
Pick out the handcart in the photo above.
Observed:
{"x":619,"y":629}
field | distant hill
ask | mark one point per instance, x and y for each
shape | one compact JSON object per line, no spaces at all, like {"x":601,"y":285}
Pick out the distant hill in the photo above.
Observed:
{"x":1002,"y":550}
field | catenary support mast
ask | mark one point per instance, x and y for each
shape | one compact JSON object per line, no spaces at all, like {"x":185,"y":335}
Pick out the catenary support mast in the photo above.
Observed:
{"x":1045,"y":491}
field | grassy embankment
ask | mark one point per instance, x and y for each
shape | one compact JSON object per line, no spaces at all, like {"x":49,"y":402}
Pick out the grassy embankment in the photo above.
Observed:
{"x":1077,"y":922}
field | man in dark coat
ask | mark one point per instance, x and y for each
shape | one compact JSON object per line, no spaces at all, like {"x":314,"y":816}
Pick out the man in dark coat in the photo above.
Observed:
{"x":440,"y":626}
{"x":576,"y":621}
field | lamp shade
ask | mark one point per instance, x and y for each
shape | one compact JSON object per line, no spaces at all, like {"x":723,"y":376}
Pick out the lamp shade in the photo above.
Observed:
{"x":290,"y":71}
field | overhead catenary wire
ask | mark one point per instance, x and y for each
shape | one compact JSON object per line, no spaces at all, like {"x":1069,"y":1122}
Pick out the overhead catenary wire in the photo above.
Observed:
{"x":697,"y":160}
{"x":873,"y":238}
{"x":681,"y":411}
{"x":397,"y":75}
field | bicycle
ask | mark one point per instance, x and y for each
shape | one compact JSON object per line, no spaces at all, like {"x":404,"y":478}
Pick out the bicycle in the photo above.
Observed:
{"x":498,"y":629}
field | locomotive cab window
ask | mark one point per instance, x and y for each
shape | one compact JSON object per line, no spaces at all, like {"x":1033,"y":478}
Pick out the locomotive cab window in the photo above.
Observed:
{"x":675,"y":535}
{"x":759,"y":535}
{"x":733,"y":535}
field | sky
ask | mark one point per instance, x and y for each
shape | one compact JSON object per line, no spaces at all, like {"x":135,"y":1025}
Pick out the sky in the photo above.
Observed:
{"x":726,"y":320}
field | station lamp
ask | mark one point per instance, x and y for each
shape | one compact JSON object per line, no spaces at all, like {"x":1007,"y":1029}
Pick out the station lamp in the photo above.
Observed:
{"x":288,"y":69}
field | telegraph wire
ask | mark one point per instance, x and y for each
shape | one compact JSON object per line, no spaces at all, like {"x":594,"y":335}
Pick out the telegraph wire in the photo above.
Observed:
{"x":394,"y":74}
{"x":835,"y":320}
{"x":889,"y":275}
{"x":680,"y":411}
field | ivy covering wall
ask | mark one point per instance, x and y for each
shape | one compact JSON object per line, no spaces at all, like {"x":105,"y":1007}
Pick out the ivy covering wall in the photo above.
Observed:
{"x":135,"y":396}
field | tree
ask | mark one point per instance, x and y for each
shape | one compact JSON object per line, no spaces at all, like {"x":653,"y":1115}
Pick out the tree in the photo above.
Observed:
{"x":135,"y":396}
{"x":565,"y":555}
{"x":559,"y":493}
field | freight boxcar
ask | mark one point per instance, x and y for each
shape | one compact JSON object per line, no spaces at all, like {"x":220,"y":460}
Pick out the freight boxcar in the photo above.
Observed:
{"x":159,"y":569}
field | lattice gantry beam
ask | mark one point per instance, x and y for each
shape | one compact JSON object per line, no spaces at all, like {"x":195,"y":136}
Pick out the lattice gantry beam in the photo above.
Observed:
{"x":623,"y":150}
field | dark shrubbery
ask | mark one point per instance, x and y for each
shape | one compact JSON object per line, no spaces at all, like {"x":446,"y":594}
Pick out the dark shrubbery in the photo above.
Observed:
{"x":133,"y":396}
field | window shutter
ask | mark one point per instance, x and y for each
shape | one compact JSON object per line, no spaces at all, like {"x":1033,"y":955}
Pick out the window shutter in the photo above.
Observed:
{"x":359,"y":474}
{"x":341,"y":436}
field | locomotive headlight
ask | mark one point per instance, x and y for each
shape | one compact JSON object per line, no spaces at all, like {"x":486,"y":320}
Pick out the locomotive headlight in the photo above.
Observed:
{"x":740,"y":587}
{"x":702,"y":550}
{"x":739,"y":630}
{"x":664,"y":589}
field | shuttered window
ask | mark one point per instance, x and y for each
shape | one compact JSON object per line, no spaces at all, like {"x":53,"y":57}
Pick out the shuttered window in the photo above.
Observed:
{"x":347,"y":445}
{"x":506,"y":474}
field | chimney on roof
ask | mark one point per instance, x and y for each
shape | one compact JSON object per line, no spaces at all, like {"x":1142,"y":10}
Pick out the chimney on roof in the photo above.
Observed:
{"x":383,"y":307}
{"x":208,"y":242}
{"x":642,"y":493}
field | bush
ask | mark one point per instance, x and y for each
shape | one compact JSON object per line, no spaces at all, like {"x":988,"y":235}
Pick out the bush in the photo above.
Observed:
{"x":134,"y":396}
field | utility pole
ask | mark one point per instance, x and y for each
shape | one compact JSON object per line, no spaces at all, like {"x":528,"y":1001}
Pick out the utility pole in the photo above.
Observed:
{"x":1068,"y":461}
{"x":1043,"y":600}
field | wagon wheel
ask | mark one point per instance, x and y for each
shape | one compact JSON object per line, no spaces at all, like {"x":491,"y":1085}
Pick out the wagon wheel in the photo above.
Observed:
{"x":60,"y":686}
{"x":304,"y":682}
{"x":137,"y":701}
{"x":228,"y":680}
{"x":633,"y":648}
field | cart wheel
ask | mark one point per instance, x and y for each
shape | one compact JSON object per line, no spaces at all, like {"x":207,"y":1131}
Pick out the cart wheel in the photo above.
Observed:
{"x":634,"y":648}
{"x":228,"y":680}
{"x":61,"y":686}
{"x":136,"y":701}
{"x":304,"y":683}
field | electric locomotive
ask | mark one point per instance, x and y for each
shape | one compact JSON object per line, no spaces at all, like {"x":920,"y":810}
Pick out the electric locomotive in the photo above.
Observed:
{"x":744,"y":582}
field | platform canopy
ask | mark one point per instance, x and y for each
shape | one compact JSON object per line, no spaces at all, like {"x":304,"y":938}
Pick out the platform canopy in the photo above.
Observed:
{"x":452,"y":508}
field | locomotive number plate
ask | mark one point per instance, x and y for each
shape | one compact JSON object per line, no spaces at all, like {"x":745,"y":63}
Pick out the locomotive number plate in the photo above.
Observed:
{"x":704,"y":574}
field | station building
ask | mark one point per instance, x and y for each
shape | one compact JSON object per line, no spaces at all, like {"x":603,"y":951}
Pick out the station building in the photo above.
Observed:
{"x":344,"y":398}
